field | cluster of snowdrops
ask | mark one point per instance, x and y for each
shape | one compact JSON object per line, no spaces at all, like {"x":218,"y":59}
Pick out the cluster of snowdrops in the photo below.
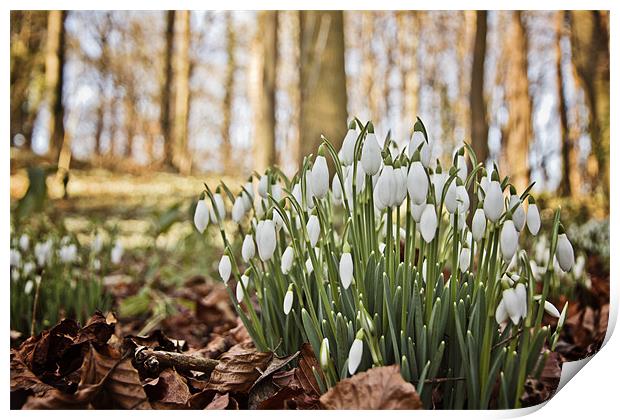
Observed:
{"x":394,"y":260}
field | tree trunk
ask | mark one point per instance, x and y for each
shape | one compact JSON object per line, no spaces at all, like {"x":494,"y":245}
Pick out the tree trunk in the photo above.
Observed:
{"x":323,"y":104}
{"x":54,"y":68}
{"x":166,"y":91}
{"x":181,"y":104}
{"x":590,"y":52}
{"x":519,"y":127}
{"x":478,"y":110}
{"x":229,"y":85}
{"x":265,"y":62}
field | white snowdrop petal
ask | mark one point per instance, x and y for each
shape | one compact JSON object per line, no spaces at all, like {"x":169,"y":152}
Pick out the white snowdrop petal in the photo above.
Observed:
{"x":355,"y":355}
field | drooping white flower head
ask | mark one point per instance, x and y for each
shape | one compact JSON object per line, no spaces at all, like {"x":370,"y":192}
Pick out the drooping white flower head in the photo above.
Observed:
{"x":309,"y":266}
{"x":97,"y":244}
{"x":314,"y":229}
{"x":461,"y":166}
{"x":508,"y":240}
{"x":16,"y":258}
{"x":371,"y":155}
{"x":218,"y":213}
{"x":564,"y":253}
{"x":346,"y":269}
{"x":266,"y":239}
{"x":287,"y":260}
{"x":501,"y":314}
{"x":43,"y":252}
{"x":28,"y":287}
{"x":493,"y":201}
{"x":24,"y":242}
{"x":245,"y":280}
{"x":278,"y":221}
{"x":417,"y":138}
{"x":438,"y":180}
{"x":238,"y":210}
{"x":417,"y":183}
{"x":201,"y":215}
{"x":68,"y":253}
{"x":428,"y":154}
{"x":385,"y":188}
{"x":512,"y":305}
{"x":247,"y":193}
{"x":518,"y":215}
{"x":225,"y":268}
{"x":355,"y":354}
{"x":578,"y":268}
{"x":28,"y":268}
{"x":336,"y":190}
{"x":533,"y":218}
{"x":248,"y":250}
{"x":462,"y":199}
{"x":450,"y":200}
{"x":416,"y":211}
{"x":117,"y":253}
{"x":522,"y":296}
{"x":400,"y":175}
{"x":428,"y":223}
{"x":320,"y":177}
{"x":347,"y":151}
{"x":551,"y":310}
{"x":263,"y":186}
{"x":287,"y":305}
{"x":464,"y":259}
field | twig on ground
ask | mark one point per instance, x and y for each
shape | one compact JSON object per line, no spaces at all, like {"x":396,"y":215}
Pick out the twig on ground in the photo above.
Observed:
{"x":153,"y":358}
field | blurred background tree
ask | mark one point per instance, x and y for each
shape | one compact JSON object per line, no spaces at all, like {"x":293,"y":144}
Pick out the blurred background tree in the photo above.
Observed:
{"x":195,"y":92}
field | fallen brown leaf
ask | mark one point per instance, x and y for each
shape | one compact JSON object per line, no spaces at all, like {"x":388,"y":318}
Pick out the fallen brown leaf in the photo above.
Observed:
{"x":238,"y":369}
{"x":169,"y":388}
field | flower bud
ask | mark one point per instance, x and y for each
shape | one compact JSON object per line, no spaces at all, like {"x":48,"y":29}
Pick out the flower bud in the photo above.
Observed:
{"x":522,"y":296}
{"x":450,"y":199}
{"x":245,"y":280}
{"x":266,"y":239}
{"x":225,"y":268}
{"x":347,"y":150}
{"x":324,"y":354}
{"x":417,"y":183}
{"x":117,"y":253}
{"x":336,"y":190}
{"x":24,"y":242}
{"x":287,"y":260}
{"x":551,"y":310}
{"x":201,"y":215}
{"x":248,"y":195}
{"x":346,"y":270}
{"x":461,"y":166}
{"x":439,"y":180}
{"x":417,"y":138}
{"x":320,"y":177}
{"x":501,"y":315}
{"x":314,"y":229}
{"x":68,"y":253}
{"x":385,"y":188}
{"x":462,"y":199}
{"x":371,"y":155}
{"x":508,"y":240}
{"x":238,"y":210}
{"x":288,"y":300}
{"x":416,"y":211}
{"x":355,"y":353}
{"x":16,"y":258}
{"x":518,"y":214}
{"x":564,"y":253}
{"x":263,"y":185}
{"x":464,"y":259}
{"x":533,"y":219}
{"x":512,"y":305}
{"x":428,"y":223}
{"x":248,"y":250}
{"x":493,"y":201}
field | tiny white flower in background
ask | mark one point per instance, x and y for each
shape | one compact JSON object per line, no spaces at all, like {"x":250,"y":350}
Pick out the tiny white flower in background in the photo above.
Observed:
{"x":428,"y":223}
{"x":347,"y":150}
{"x":355,"y":354}
{"x":336,"y":190}
{"x":266,"y":239}
{"x":263,"y":185}
{"x":424,"y":270}
{"x":518,"y":216}
{"x":225,"y":268}
{"x":464,"y":259}
{"x":320,"y":177}
{"x":533,"y":219}
{"x":96,"y":264}
{"x":309,"y":266}
{"x":287,"y":305}
{"x":24,"y":242}
{"x":117,"y":253}
{"x":371,"y":155}
{"x":219,"y":207}
{"x":564,"y":253}
{"x":42,"y":252}
{"x":578,"y":268}
{"x":201,"y":215}
{"x":314,"y":229}
{"x":97,"y":244}
{"x":68,"y":253}
{"x":28,"y":287}
{"x":238,"y":210}
{"x":248,"y":249}
{"x":239,"y":291}
{"x":287,"y":260}
{"x":324,"y":353}
{"x":28,"y":268}
{"x":16,"y":258}
{"x":346,"y":270}
{"x":417,"y":183}
{"x":551,"y":310}
{"x":493,"y":202}
{"x":360,"y":182}
{"x":15,"y":276}
{"x":508,"y":240}
{"x":416,"y":212}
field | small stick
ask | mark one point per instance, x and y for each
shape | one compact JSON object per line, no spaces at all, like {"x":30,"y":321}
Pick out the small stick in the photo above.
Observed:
{"x":442,"y":380}
{"x":507,"y":340}
{"x":153,"y":358}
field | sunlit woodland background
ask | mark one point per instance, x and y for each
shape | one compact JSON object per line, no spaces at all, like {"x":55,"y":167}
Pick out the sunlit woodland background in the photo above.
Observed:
{"x":117,"y":117}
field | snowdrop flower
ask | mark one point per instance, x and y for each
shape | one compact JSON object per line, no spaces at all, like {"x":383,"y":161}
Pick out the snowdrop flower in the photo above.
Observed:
{"x":314,"y":229}
{"x":551,"y":310}
{"x":263,"y":185}
{"x":347,"y":150}
{"x":68,"y":253}
{"x":320,"y":176}
{"x":518,"y":215}
{"x":287,"y":260}
{"x":533,"y":217}
{"x":428,"y":223}
{"x":439,"y":180}
{"x":15,"y":276}
{"x":577,"y":268}
{"x":564,"y":252}
{"x":248,"y":250}
{"x":428,"y":154}
{"x":346,"y":270}
{"x":450,"y":199}
{"x":28,"y":268}
{"x":324,"y":353}
{"x":24,"y":242}
{"x":508,"y":240}
{"x":288,"y":300}
{"x":219,"y":208}
{"x":400,"y":175}
{"x":512,"y":305}
{"x":278,"y":221}
{"x":416,"y":212}
{"x":417,"y":183}
{"x":96,"y":264}
{"x":201,"y":215}
{"x":462,"y":199}
{"x":309,"y":266}
{"x":238,"y":209}
{"x":461,"y":220}
{"x":247,"y":193}
{"x":117,"y":253}
{"x":501,"y":314}
{"x":42,"y":252}
{"x":384,"y":192}
{"x":417,"y":138}
{"x":276,"y":192}
{"x":493,"y":201}
{"x":245,"y":280}
{"x":28,"y":287}
{"x":356,"y":352}
{"x":360,"y":182}
{"x":461,"y":166}
{"x":522,"y":295}
{"x":97,"y":244}
{"x":224,"y":268}
{"x":336,"y":190}
{"x":371,"y":155}
{"x":16,"y":258}
{"x":266,"y":239}
{"x":464,"y":258}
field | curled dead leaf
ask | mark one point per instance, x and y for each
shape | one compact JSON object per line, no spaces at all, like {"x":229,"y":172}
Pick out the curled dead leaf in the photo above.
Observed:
{"x":238,"y":369}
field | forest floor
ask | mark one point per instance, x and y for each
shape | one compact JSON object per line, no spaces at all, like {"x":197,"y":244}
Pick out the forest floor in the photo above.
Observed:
{"x":195,"y":353}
